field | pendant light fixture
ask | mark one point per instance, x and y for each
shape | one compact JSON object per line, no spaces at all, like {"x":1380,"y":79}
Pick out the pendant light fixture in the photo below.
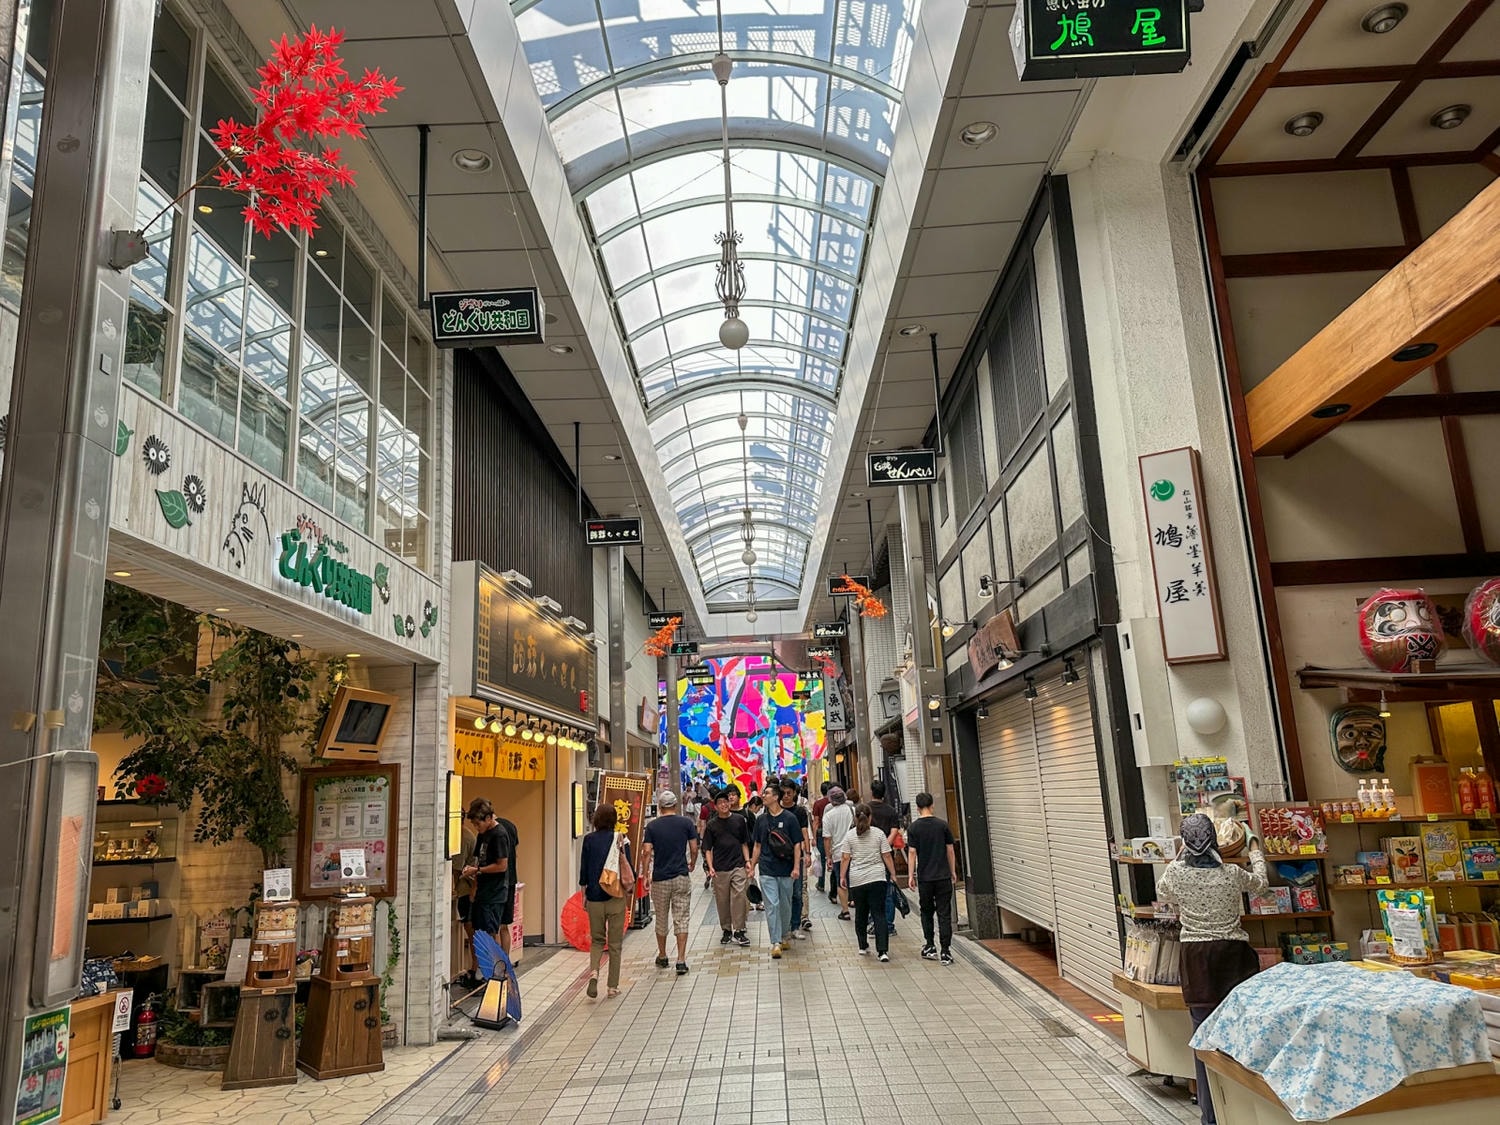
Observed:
{"x":729,"y":282}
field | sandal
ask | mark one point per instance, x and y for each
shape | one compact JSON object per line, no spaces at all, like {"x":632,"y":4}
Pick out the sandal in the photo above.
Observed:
{"x":593,"y":989}
{"x":612,"y":993}
{"x":843,"y":916}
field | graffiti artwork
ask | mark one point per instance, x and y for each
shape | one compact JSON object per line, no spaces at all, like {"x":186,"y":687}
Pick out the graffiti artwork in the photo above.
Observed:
{"x":756,"y":718}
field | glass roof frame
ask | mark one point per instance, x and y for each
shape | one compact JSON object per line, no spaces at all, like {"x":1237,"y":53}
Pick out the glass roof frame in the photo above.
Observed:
{"x":811,"y":110}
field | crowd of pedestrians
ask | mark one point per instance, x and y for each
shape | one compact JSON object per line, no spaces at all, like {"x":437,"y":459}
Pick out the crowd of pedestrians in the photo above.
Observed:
{"x":766,"y":854}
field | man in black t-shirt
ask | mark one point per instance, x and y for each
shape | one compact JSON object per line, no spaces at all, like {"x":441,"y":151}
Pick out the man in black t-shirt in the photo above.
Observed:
{"x":726,"y":843}
{"x":669,"y":854}
{"x":791,"y":794}
{"x":934,"y":871}
{"x":493,"y":909}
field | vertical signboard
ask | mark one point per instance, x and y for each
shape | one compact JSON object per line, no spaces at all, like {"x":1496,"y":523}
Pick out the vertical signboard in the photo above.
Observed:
{"x":1187,"y":594}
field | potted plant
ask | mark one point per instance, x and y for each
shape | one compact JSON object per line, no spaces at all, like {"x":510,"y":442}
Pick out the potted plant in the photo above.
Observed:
{"x":182,"y":1042}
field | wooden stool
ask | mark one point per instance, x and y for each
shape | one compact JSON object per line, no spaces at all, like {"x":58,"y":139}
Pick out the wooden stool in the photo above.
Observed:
{"x":263,"y":1051}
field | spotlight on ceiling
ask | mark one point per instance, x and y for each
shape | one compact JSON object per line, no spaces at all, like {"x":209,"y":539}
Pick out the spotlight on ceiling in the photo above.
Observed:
{"x":472,"y":161}
{"x":979,"y":133}
{"x":1030,"y":692}
{"x":875,"y":441}
{"x":933,"y":702}
{"x":510,"y":730}
{"x":1070,"y":674}
{"x":517,"y":577}
{"x":1413,"y":352}
{"x":613,"y":457}
{"x":734,"y":333}
{"x":494,"y":726}
{"x":1450,"y":117}
{"x":1379,"y":21}
{"x":911,"y":330}
{"x":560,"y":349}
{"x":1304,"y":124}
{"x":981,"y":712}
{"x":479,"y":722}
{"x":574,"y":623}
{"x":548,"y":603}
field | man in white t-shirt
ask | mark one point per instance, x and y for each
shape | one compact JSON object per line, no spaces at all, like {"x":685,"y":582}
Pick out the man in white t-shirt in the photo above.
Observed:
{"x":838,"y":818}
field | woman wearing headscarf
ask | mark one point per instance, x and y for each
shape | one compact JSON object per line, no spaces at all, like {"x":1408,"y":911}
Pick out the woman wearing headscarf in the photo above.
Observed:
{"x":1216,"y":952}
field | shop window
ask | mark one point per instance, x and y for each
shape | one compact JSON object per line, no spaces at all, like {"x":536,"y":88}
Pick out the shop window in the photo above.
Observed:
{"x":263,"y":428}
{"x":356,"y":348}
{"x":393,"y":327}
{"x":359,"y":286}
{"x":210,"y":389}
{"x":166,"y":133}
{"x":23,"y":173}
{"x":146,"y":327}
{"x":172,"y":54}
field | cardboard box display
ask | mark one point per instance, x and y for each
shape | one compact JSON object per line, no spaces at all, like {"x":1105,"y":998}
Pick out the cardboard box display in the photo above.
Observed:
{"x":1377,"y":865}
{"x":1442,"y":850}
{"x":1406,"y":859}
{"x":1153,"y":847}
{"x":1272,"y":900}
{"x":116,"y":894}
{"x":1305,"y":899}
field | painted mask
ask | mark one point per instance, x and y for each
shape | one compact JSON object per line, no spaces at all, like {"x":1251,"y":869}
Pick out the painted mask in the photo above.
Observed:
{"x":1358,"y":734}
{"x":1482,"y":619}
{"x":1397,"y":627}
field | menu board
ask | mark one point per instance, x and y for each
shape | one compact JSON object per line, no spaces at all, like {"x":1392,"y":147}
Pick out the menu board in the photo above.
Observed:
{"x":347,"y":807}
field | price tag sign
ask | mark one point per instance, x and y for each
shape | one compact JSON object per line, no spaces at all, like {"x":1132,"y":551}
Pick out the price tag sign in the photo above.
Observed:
{"x":1347,"y":818}
{"x":1309,"y":849}
{"x":1447,"y":876}
{"x":124,"y":1002}
{"x":1432,"y":816}
{"x":1491,"y":876}
{"x":1383,"y":880}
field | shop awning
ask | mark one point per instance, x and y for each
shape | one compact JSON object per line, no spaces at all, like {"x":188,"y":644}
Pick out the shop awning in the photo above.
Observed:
{"x":1440,"y":295}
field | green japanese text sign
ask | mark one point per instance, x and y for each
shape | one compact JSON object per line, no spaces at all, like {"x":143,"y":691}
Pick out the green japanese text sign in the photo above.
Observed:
{"x":1099,"y":38}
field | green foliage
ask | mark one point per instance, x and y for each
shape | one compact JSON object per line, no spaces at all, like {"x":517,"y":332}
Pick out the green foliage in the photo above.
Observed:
{"x":232,"y":761}
{"x":178,"y":1027}
{"x":334,"y":670}
{"x":392,"y":959}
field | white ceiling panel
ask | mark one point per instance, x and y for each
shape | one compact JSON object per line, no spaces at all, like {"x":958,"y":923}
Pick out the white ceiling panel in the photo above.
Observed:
{"x":1030,"y":128}
{"x":1410,"y":128}
{"x":1263,"y":137}
{"x":1336,"y":40}
{"x":443,"y":94}
{"x":963,"y":196}
{"x":969,"y":249}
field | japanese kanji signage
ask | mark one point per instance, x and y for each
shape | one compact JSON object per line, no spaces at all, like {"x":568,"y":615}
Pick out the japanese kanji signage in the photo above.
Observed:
{"x":908,"y":466}
{"x":488,"y":316}
{"x":613,"y":532}
{"x":662,"y":620}
{"x":684,"y":648}
{"x":837,"y":580}
{"x":1099,"y":38}
{"x":1187,"y":596}
{"x":830,"y":630}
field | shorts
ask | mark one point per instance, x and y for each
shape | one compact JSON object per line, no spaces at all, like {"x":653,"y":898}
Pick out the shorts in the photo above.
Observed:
{"x":489,"y":917}
{"x":462,"y":905}
{"x":675,"y":895}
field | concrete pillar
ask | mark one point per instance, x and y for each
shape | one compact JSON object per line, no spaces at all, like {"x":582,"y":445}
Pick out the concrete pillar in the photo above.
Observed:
{"x":54,"y":497}
{"x":618,"y":751}
{"x":863,"y":720}
{"x":674,"y":746}
{"x":922,"y":751}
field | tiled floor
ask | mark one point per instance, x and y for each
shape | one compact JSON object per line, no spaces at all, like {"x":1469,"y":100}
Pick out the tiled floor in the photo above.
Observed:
{"x":820,"y":1036}
{"x":1039,"y":963}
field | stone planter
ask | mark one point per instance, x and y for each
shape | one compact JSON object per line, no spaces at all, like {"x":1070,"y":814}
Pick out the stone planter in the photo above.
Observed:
{"x":192,"y":1058}
{"x":389,"y":1036}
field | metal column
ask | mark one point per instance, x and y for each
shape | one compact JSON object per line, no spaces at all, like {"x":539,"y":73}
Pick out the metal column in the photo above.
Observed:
{"x":55,"y":492}
{"x":617,"y":725}
{"x":929,"y":675}
{"x":864,"y":724}
{"x":674,"y":747}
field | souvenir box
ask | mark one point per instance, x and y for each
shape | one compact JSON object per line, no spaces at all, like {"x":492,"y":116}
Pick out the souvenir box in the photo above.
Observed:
{"x":1406,"y":859}
{"x":1442,"y":852}
{"x":1481,"y":860}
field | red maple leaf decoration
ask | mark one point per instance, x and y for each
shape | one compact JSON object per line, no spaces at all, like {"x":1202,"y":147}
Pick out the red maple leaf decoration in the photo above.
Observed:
{"x":304,"y":94}
{"x":659,"y":643}
{"x":864,"y":598}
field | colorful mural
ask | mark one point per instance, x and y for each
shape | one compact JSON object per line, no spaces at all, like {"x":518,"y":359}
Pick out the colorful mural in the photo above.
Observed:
{"x":749,"y":723}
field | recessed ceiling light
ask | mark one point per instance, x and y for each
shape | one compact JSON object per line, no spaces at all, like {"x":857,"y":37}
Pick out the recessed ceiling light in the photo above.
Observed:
{"x":1379,"y":21}
{"x":351,"y":656}
{"x":613,"y":457}
{"x":121,"y":573}
{"x":295,"y":636}
{"x":979,"y":133}
{"x":875,"y":441}
{"x":560,"y":349}
{"x":1413,"y":352}
{"x":856,"y":494}
{"x":205,"y":209}
{"x":656,"y":550}
{"x":842,"y":539}
{"x":1450,"y":117}
{"x":473,"y":161}
{"x":320,"y":253}
{"x":1304,"y":124}
{"x":911,"y":330}
{"x":221,"y":609}
{"x":632,"y":505}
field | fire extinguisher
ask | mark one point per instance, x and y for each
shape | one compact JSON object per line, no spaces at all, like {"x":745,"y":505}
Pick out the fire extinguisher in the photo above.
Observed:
{"x":145,"y":1028}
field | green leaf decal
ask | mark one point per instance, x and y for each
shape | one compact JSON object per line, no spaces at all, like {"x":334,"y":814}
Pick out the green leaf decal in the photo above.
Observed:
{"x":400,"y":625}
{"x":122,"y":438}
{"x":174,"y":507}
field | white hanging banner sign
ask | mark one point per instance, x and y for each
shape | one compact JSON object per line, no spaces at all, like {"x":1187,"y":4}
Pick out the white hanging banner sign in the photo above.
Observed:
{"x":1187,"y":594}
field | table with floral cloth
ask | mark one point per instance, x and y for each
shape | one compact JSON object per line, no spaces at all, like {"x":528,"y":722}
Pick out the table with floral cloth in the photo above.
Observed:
{"x":1328,"y":1038}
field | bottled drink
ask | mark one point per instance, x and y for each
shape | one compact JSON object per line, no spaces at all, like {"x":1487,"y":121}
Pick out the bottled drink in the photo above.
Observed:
{"x":1484,"y":791}
{"x":1387,"y":797}
{"x":1466,"y":802}
{"x":1365,"y":802}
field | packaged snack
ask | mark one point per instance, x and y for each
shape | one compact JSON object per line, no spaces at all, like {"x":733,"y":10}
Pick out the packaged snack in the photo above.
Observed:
{"x":1406,"y":859}
{"x":1377,"y":865}
{"x":1305,"y":899}
{"x":1350,"y":874}
{"x":1441,"y":852}
{"x":1481,"y":860}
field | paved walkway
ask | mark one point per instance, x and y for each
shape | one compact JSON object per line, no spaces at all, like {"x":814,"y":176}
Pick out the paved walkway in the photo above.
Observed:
{"x":819,"y":1036}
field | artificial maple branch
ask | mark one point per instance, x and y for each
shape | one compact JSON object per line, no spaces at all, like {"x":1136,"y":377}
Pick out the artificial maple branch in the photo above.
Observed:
{"x":865,"y":600}
{"x":659,"y":643}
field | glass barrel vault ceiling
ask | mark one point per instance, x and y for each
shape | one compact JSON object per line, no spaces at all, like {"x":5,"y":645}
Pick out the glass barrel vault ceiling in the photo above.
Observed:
{"x":812,"y":106}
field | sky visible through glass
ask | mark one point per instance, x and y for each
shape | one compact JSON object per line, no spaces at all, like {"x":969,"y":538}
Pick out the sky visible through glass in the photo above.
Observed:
{"x":812,"y":106}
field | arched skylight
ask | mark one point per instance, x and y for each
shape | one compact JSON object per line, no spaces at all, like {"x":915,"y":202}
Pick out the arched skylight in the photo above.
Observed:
{"x":812,"y":108}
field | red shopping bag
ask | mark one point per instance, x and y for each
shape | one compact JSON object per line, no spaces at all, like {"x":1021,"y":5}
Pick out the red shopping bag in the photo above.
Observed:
{"x":575,"y":922}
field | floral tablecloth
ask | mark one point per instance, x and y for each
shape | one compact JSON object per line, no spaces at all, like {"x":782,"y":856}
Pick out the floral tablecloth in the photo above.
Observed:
{"x":1328,"y":1038}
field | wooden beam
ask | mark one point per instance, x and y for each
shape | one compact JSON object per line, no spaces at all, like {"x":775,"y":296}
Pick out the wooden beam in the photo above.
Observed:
{"x":1465,"y":404}
{"x":1287,"y":263}
{"x":1341,"y":164}
{"x":1358,"y":75}
{"x":1384,"y":569}
{"x":1443,"y":293}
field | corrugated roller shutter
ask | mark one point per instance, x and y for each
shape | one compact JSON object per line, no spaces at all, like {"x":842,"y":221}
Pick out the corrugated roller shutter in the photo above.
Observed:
{"x":1088,"y":921}
{"x":1017,"y":825}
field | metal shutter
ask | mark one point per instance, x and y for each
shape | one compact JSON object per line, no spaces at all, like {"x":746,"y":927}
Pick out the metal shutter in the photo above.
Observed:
{"x":1088,"y":920}
{"x":1017,"y":825}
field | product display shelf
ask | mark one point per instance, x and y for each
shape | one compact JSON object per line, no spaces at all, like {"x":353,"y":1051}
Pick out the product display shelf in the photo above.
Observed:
{"x":1237,"y":861}
{"x":1145,"y":912}
{"x":1432,"y":885}
{"x":134,"y":862}
{"x":128,"y":921}
{"x":1424,"y":818}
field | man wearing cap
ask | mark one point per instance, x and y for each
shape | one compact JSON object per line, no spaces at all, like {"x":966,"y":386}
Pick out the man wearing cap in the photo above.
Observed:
{"x":669,"y":852}
{"x":726,"y":854}
{"x":837,"y":819}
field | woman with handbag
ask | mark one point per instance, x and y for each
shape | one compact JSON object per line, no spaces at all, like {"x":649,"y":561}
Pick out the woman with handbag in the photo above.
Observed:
{"x":608,"y":880}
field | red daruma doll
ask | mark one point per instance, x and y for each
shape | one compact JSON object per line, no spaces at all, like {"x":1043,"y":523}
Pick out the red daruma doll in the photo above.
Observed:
{"x":1482,"y":619}
{"x":1397,"y":627}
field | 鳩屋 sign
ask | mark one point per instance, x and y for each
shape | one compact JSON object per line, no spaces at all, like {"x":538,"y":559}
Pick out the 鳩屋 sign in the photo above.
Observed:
{"x":322,"y":573}
{"x":488,"y":316}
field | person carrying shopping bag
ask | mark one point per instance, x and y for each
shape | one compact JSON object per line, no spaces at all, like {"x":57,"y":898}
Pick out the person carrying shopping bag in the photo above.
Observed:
{"x":608,"y":880}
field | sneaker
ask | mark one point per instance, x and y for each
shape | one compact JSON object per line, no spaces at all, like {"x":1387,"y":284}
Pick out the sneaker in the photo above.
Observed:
{"x":929,"y":953}
{"x":682,"y":968}
{"x":798,"y":934}
{"x":946,"y":958}
{"x":864,"y":951}
{"x":885,"y":957}
{"x":724,"y":938}
{"x":776,"y":953}
{"x":807,"y":923}
{"x":662,"y":962}
{"x":741,"y":938}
